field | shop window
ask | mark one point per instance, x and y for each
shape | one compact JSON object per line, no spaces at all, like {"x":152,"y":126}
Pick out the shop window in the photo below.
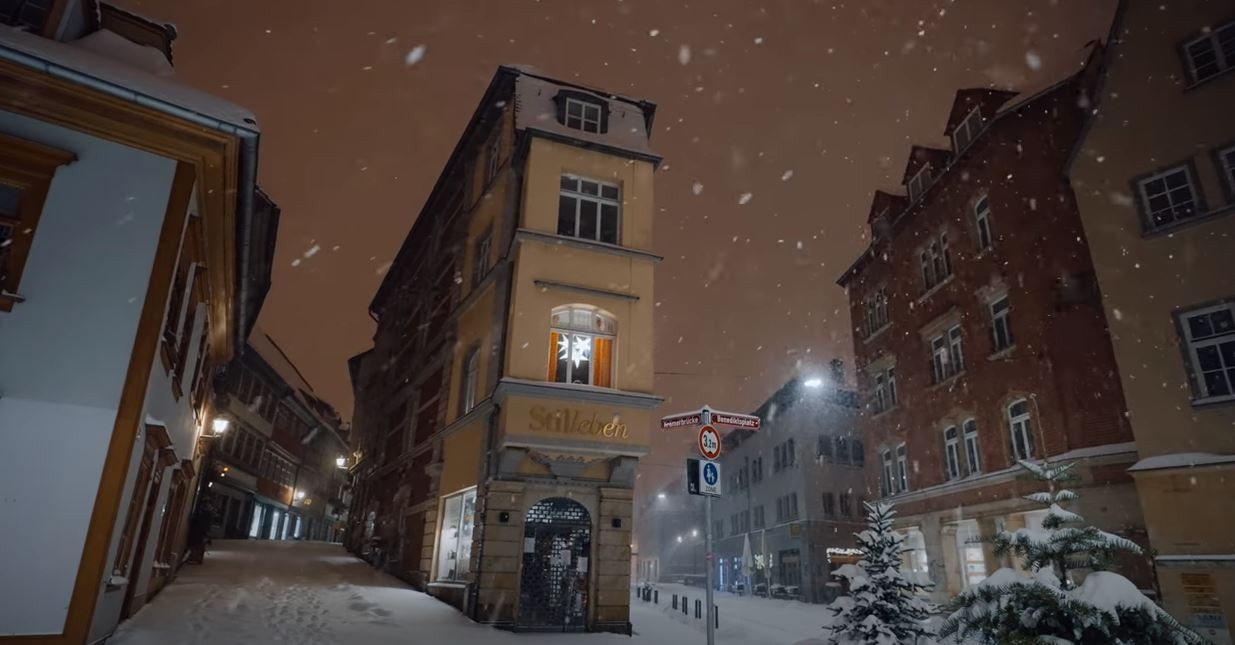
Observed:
{"x":914,"y":553}
{"x":454,"y":544}
{"x":969,"y":548}
{"x":581,"y":340}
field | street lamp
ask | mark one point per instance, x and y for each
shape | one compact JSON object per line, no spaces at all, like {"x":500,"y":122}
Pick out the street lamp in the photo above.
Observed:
{"x":694,"y":532}
{"x":679,"y":539}
{"x":299,"y":494}
{"x":660,"y":496}
{"x":220,"y":425}
{"x":813,"y":383}
{"x":341,"y":462}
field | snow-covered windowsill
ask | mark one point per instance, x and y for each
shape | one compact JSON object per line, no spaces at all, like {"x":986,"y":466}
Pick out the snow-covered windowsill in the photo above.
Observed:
{"x":930,"y":292}
{"x":1213,"y":401}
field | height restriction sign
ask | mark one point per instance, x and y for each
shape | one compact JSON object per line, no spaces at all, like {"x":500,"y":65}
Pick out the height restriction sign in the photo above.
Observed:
{"x":709,"y":442}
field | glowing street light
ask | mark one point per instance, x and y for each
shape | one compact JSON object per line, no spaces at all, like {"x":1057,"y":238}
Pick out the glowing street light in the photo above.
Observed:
{"x":299,"y":494}
{"x":679,"y":539}
{"x":219,"y":425}
{"x":341,"y":462}
{"x":813,"y":383}
{"x":660,"y":495}
{"x":694,"y":532}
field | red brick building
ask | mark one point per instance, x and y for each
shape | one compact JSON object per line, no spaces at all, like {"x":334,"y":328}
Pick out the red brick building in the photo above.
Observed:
{"x":980,"y":336}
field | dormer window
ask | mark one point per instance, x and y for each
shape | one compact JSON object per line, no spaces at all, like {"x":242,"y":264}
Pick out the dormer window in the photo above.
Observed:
{"x":919,"y":183}
{"x":967,"y":131}
{"x":582,"y":115}
{"x":582,"y":111}
{"x":28,"y":14}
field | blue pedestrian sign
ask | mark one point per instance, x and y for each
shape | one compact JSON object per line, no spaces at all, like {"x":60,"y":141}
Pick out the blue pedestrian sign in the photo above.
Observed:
{"x":709,"y":478}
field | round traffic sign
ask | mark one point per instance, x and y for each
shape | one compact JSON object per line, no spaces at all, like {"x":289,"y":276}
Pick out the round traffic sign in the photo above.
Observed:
{"x":709,"y":442}
{"x":710,"y":474}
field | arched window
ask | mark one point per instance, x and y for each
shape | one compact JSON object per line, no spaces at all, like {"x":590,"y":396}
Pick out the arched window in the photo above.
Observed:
{"x":581,"y":345}
{"x":1021,"y":425}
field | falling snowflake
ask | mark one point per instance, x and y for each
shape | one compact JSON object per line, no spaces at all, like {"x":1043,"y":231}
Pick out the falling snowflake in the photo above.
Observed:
{"x":296,"y":262}
{"x":1033,"y":60}
{"x":787,"y":176}
{"x":654,"y":33}
{"x":414,"y":56}
{"x":684,"y":54}
{"x":313,"y":250}
{"x":745,"y":198}
{"x":759,"y":40}
{"x":697,"y":188}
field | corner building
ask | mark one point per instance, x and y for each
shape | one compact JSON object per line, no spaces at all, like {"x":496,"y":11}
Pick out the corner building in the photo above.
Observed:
{"x":508,"y":396}
{"x":981,"y":339}
{"x":1158,"y":205}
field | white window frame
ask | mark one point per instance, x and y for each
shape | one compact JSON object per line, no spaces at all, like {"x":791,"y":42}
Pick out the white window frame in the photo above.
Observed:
{"x":604,"y":325}
{"x":890,"y":382}
{"x":1220,"y":55}
{"x":973,"y":452}
{"x":951,"y":451}
{"x":1021,"y":428}
{"x":877,"y":311}
{"x":1226,"y":159}
{"x":1001,"y":324}
{"x":971,"y":126}
{"x":982,"y":222}
{"x":947,"y":354}
{"x":461,"y":533}
{"x":590,"y":113}
{"x":1149,"y":214}
{"x":918,"y":183}
{"x":889,"y":474}
{"x":936,"y":262}
{"x":1195,"y":344}
{"x":471,"y":381}
{"x":577,"y":193}
{"x":902,"y":467}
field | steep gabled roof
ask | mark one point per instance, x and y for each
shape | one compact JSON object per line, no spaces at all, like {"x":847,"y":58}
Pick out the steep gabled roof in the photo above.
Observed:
{"x":922,"y":155}
{"x":987,"y":100}
{"x":888,"y":202}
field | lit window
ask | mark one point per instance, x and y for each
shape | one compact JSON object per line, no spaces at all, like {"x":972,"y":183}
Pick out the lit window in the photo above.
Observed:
{"x":982,"y":220}
{"x":1212,"y":53}
{"x":1209,"y":334}
{"x":471,"y":381}
{"x":581,"y":346}
{"x":454,"y":545}
{"x":914,"y":552}
{"x":1168,"y":197}
{"x":967,"y":131}
{"x":972,"y":455}
{"x":1022,"y":429}
{"x":582,"y":115}
{"x":1001,"y":325}
{"x":951,"y":448}
{"x":588,"y":210}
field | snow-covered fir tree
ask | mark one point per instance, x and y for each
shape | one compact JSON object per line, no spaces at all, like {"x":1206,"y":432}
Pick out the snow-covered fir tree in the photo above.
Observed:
{"x":1046,"y":605}
{"x":882,"y":607}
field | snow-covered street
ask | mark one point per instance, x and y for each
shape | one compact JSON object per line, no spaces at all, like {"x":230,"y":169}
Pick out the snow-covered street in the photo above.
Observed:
{"x":312,"y":593}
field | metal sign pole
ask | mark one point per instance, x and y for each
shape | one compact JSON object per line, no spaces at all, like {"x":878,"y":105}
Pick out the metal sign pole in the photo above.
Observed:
{"x":707,"y":514}
{"x":708,"y":561}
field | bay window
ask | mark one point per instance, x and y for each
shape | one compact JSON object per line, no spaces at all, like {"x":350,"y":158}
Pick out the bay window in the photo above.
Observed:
{"x":581,"y":346}
{"x":454,"y":543}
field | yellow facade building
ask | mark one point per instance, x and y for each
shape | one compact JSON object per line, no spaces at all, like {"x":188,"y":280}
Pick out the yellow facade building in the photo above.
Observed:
{"x":1155,"y":184}
{"x":508,"y":395}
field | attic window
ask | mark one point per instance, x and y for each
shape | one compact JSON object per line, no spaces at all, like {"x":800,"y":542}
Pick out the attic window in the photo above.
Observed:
{"x":919,"y":183}
{"x":581,"y":111}
{"x":967,"y":131}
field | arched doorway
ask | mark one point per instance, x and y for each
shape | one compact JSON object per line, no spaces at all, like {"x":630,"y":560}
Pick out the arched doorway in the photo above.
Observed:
{"x":557,"y":542}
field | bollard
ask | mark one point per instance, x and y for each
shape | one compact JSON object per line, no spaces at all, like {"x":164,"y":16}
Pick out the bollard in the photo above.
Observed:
{"x":698,"y":609}
{"x":716,"y":614}
{"x":685,"y":612}
{"x":675,"y":601}
{"x":656,"y":596}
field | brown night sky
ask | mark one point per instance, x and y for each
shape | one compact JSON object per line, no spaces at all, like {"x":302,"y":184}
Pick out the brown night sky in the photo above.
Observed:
{"x":806,"y":106}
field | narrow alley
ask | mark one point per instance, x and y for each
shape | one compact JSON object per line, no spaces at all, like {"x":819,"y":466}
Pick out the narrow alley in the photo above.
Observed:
{"x":315,"y":593}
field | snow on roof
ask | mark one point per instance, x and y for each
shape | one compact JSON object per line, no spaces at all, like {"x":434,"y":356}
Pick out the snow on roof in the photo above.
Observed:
{"x":535,"y":109}
{"x":105,"y":61}
{"x":1181,"y":460}
{"x":116,"y":47}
